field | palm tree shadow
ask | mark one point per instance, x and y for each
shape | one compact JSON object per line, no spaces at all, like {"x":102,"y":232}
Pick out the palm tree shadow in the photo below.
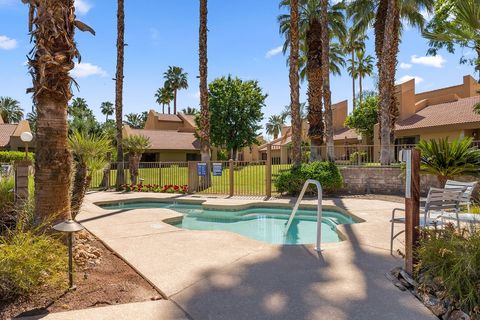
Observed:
{"x":345,"y":281}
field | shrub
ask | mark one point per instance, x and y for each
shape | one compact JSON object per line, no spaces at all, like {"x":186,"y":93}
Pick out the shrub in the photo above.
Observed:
{"x":6,"y":194}
{"x":12,"y":156}
{"x":354,"y":157}
{"x":29,"y":261}
{"x":449,"y":261}
{"x":168,"y":188}
{"x":291,"y":181}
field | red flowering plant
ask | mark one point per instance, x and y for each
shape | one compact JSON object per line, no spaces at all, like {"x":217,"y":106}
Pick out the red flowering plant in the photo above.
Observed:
{"x":168,"y":188}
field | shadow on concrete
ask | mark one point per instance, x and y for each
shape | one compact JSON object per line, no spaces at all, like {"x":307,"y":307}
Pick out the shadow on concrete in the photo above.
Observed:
{"x":110,"y":213}
{"x":346,"y":281}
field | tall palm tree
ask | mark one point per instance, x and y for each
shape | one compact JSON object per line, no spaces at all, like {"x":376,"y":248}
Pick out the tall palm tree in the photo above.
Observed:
{"x":364,"y":68}
{"x":164,"y":96}
{"x":190,"y":111}
{"x":274,"y":125}
{"x":52,"y":25}
{"x":175,"y":79}
{"x":366,"y":13}
{"x":353,"y":42}
{"x":135,"y":146}
{"x":119,"y":91}
{"x":107,"y":109}
{"x":203,"y":69}
{"x":456,"y":23}
{"x":10,"y":110}
{"x":327,"y":95}
{"x":310,"y":59}
{"x":295,"y":84}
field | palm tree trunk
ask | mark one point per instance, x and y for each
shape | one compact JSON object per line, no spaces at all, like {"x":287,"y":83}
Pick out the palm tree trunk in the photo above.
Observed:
{"x":353,"y":80}
{"x":386,"y":77}
{"x":175,"y":101}
{"x":79,"y":188}
{"x":327,"y":95}
{"x":163,"y":108}
{"x":314,"y":76}
{"x":50,"y":64}
{"x":360,"y":88}
{"x":119,"y":91}
{"x":203,"y":87}
{"x":295,"y":85}
{"x":106,"y":173}
{"x":169,"y":108}
{"x":133,"y":164}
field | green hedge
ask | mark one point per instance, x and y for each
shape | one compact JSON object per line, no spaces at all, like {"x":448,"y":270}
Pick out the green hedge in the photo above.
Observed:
{"x":11,"y":156}
{"x":291,"y":181}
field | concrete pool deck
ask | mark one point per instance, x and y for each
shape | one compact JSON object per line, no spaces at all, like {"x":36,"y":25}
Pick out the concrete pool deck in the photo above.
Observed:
{"x":222,"y":275}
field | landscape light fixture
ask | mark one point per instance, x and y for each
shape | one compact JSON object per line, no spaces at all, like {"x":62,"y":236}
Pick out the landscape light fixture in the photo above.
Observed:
{"x":69,"y":227}
{"x":26,"y":137}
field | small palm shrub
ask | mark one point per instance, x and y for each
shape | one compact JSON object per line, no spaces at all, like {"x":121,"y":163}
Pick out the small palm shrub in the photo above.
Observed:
{"x":449,"y":261}
{"x":135,"y":145}
{"x":447,"y":160}
{"x":291,"y":181}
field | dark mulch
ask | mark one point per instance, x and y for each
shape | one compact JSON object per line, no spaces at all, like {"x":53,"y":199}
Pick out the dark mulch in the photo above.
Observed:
{"x":109,"y":282}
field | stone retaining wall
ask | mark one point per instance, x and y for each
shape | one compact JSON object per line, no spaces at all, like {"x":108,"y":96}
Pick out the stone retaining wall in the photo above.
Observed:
{"x":381,"y":180}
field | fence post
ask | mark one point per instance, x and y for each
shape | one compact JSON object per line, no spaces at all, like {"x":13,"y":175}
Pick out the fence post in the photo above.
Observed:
{"x":231,"y":172}
{"x":268,"y":172}
{"x":21,"y":181}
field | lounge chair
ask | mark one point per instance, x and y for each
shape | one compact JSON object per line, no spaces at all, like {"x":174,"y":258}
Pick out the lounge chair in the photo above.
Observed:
{"x":467,"y":194}
{"x":437,"y":203}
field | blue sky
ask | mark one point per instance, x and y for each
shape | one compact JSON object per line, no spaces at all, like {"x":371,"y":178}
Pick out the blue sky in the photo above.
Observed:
{"x":243,"y":41}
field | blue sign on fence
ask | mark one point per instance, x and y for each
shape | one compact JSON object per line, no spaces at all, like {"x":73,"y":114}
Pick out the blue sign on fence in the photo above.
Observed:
{"x":217,"y":169}
{"x":202,"y":169}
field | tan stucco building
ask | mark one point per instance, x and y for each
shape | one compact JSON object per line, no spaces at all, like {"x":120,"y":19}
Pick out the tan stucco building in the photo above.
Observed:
{"x":10,"y":135}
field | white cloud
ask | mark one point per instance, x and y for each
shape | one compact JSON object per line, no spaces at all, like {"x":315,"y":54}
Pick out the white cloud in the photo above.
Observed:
{"x":405,"y":66}
{"x":82,"y":6}
{"x":430,"y":61}
{"x":408,"y":77}
{"x":85,"y":69}
{"x":273,"y":52}
{"x":7,"y":43}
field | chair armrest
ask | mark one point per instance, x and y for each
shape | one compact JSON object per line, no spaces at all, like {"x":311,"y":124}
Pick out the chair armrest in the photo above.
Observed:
{"x":395,"y":210}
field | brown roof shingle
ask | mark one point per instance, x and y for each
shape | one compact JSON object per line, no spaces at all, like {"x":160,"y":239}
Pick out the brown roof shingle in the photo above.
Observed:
{"x":169,"y":139}
{"x":168,"y":117}
{"x":445,"y":114}
{"x":6,"y":131}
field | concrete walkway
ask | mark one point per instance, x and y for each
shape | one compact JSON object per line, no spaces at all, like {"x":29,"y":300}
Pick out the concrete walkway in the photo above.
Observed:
{"x":221,"y":275}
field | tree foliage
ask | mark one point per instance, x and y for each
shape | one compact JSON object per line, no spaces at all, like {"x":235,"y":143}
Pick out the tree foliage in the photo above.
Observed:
{"x":81,"y":118}
{"x":10,"y":110}
{"x":364,"y":117}
{"x":236,"y":110}
{"x":136,"y":120}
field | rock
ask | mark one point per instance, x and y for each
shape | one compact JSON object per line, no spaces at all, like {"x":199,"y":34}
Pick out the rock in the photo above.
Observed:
{"x":408,"y":278}
{"x":458,"y":315}
{"x":435,"y":305}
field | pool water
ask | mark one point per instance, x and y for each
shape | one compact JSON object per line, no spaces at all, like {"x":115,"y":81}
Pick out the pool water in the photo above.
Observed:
{"x":264,"y":224}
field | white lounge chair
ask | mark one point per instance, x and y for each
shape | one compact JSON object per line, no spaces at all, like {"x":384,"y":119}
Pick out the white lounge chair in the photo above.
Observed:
{"x":439,"y":202}
{"x":467,"y":194}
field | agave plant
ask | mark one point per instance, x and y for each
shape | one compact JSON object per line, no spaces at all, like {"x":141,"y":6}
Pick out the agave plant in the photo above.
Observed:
{"x":448,"y":159}
{"x":135,"y":145}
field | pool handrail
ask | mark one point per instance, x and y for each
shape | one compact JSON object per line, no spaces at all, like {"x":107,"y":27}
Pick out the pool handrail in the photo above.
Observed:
{"x":319,"y":210}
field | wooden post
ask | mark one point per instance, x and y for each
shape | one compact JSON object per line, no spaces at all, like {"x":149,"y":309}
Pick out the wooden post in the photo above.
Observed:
{"x":412,"y":212}
{"x":21,"y":181}
{"x":231,"y":178}
{"x":268,"y":172}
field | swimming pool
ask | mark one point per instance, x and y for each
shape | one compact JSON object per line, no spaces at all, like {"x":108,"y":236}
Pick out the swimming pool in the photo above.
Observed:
{"x":261,"y":223}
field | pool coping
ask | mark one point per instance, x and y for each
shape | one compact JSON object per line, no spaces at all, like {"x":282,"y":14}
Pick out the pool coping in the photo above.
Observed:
{"x":234,"y":207}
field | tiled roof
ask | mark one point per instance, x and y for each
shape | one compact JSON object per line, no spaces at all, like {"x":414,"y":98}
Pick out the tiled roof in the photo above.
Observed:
{"x":6,"y":131}
{"x":345,"y":133}
{"x":445,"y":114}
{"x":170,"y":139}
{"x":168,"y":117}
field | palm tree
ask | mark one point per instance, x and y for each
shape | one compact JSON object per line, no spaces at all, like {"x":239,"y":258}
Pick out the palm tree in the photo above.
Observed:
{"x":310,"y":59}
{"x":190,"y":111}
{"x":327,"y":95}
{"x":287,"y":112}
{"x":90,"y":155}
{"x":32,"y":120}
{"x":10,"y":110}
{"x":175,"y":79}
{"x":119,"y":91}
{"x":294,"y":37}
{"x":135,"y":146}
{"x":164,"y":96}
{"x":447,"y":159}
{"x":107,"y":109}
{"x":274,"y":125}
{"x":135,"y":120}
{"x":378,"y":13}
{"x":203,"y":69}
{"x":52,"y":28}
{"x":456,"y":23}
{"x":364,"y":68}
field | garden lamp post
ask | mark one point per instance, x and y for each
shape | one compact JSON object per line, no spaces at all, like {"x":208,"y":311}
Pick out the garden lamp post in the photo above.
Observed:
{"x":69,"y":227}
{"x":26,"y":138}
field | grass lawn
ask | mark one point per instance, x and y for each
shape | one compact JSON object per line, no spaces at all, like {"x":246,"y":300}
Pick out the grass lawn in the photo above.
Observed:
{"x":248,"y":180}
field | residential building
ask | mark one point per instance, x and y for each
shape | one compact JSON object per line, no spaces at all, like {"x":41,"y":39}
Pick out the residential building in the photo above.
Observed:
{"x":10,"y":135}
